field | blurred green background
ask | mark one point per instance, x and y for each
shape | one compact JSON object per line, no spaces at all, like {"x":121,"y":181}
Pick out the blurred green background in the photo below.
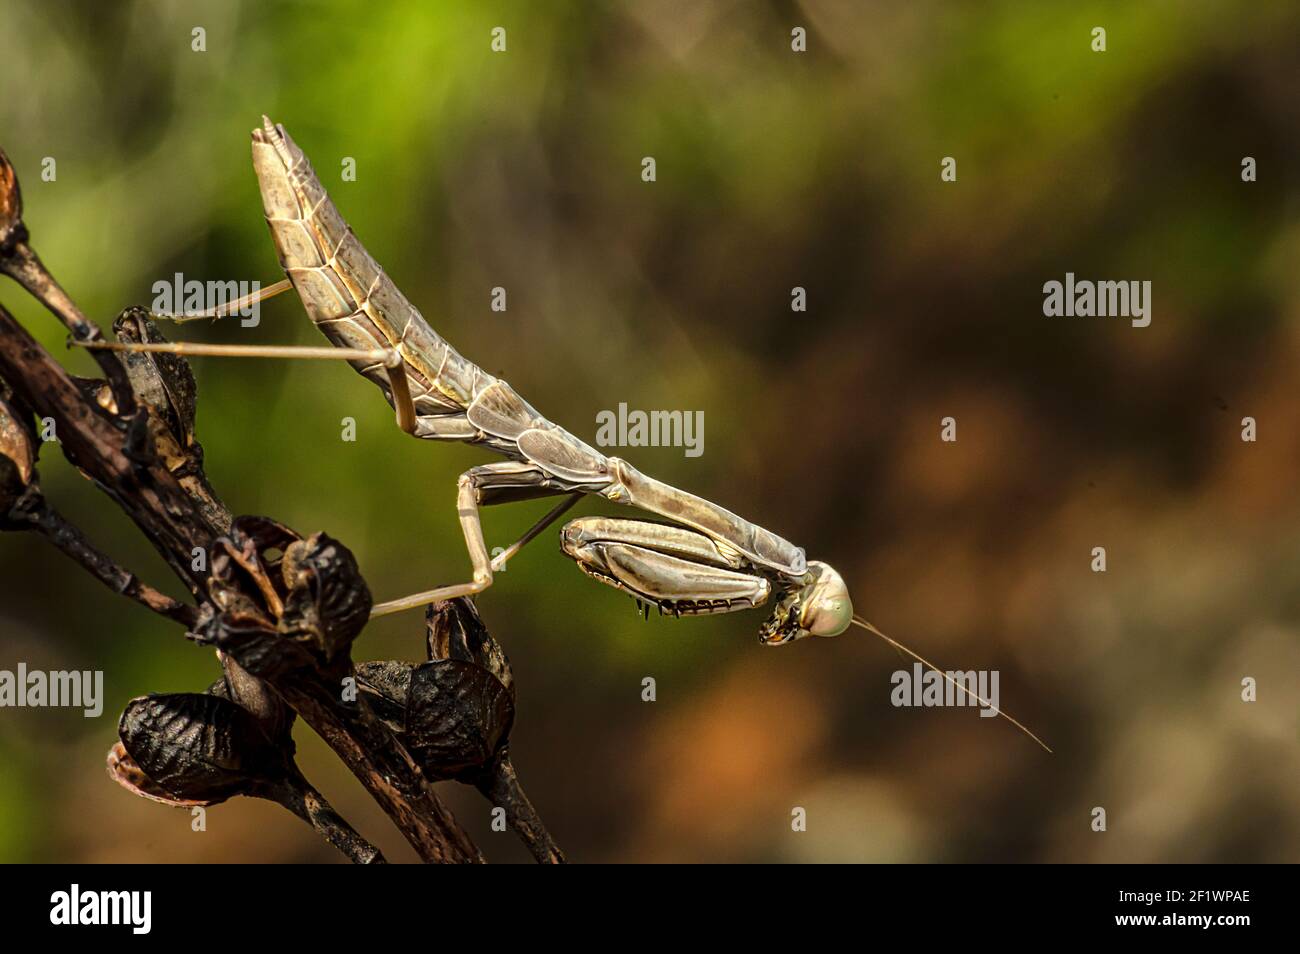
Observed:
{"x":478,"y":169}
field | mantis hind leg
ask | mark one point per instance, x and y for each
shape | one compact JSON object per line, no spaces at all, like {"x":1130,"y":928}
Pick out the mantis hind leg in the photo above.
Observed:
{"x":681,"y":571}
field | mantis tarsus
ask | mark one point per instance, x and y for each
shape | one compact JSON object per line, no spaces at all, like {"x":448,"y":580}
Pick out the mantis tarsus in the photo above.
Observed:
{"x":699,"y":558}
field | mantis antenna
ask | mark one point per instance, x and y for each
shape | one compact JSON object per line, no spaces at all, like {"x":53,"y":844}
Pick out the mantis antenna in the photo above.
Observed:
{"x":859,"y":621}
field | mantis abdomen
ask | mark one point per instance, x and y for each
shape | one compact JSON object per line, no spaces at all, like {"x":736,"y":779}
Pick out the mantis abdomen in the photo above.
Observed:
{"x":349,"y":296}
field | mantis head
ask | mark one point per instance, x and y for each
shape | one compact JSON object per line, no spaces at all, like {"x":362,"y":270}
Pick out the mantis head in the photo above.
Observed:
{"x":819,"y":606}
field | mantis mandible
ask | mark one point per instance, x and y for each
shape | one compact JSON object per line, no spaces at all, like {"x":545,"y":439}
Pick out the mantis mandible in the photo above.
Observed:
{"x":697,"y":559}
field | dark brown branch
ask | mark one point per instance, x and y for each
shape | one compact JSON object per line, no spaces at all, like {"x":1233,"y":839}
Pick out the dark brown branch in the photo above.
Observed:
{"x":500,"y":786}
{"x":24,"y":266}
{"x":19,"y":261}
{"x":146,"y":491}
{"x":153,"y":498}
{"x":383,"y":766}
{"x":300,"y":797}
{"x":41,"y":518}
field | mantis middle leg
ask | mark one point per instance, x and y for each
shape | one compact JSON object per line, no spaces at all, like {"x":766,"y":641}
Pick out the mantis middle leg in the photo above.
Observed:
{"x":504,"y":482}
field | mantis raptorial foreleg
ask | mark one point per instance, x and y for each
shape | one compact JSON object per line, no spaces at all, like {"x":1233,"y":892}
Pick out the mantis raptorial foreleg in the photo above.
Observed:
{"x":484,"y":486}
{"x":679,"y":570}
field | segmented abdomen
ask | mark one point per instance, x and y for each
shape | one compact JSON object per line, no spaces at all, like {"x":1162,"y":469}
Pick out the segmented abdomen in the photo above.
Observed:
{"x":345,"y":292}
{"x":356,"y":305}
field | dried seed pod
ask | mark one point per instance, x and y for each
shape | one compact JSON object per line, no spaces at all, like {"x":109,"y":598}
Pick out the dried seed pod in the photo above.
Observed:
{"x":165,"y":382}
{"x":200,"y":748}
{"x":328,"y":600}
{"x":244,"y":581}
{"x":281,"y":602}
{"x":453,"y":717}
{"x":245,"y":562}
{"x":266,"y":533}
{"x":386,"y":684}
{"x":458,"y":716}
{"x":123,"y":770}
{"x":255,"y":644}
{"x":456,"y":631}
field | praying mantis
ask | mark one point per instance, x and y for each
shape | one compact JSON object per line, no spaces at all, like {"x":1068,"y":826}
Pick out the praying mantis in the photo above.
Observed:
{"x":697,"y":558}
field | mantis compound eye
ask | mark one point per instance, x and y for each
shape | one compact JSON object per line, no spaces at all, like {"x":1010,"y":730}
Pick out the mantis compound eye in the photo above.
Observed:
{"x":827,"y":609}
